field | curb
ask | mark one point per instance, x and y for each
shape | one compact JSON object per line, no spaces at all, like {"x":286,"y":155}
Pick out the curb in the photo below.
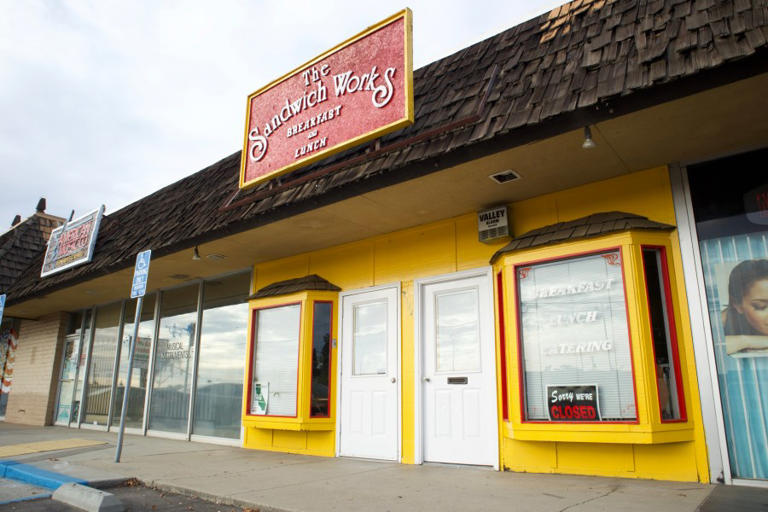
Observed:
{"x":26,"y":498}
{"x":14,"y":470}
{"x":214,"y":498}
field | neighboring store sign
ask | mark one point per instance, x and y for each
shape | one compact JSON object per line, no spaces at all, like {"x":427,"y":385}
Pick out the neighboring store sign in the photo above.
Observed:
{"x":72,"y":243}
{"x":259,"y":398}
{"x":140,"y":274}
{"x":357,"y":91}
{"x":756,"y":205}
{"x":573,"y":403}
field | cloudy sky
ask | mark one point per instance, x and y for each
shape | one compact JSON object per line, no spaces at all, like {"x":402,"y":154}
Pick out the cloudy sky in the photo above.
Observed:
{"x":103,"y":102}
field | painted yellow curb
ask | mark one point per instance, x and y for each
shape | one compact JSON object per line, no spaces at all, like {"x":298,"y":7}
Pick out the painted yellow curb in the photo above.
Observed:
{"x":13,"y":450}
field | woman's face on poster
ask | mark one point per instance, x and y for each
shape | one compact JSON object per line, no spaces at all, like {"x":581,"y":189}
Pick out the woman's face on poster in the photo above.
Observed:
{"x":754,"y":306}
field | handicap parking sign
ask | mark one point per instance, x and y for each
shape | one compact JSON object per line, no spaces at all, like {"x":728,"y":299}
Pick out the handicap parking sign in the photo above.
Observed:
{"x":140,"y":274}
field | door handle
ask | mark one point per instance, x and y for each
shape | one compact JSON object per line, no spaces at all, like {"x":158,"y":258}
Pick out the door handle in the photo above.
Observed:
{"x":393,"y":380}
{"x":427,"y":379}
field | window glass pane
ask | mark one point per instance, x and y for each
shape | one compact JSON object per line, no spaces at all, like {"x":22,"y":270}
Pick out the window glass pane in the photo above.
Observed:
{"x":666,"y":375}
{"x":8,"y":344}
{"x":369,"y":350}
{"x":169,"y":407}
{"x":135,"y":413}
{"x":100,"y":373}
{"x":224,"y":332}
{"x":67,"y":382}
{"x":458,"y":331}
{"x":276,"y":359}
{"x":321,"y":359}
{"x":81,"y":360}
{"x":68,"y":368}
{"x":732,"y":227}
{"x":575,"y":340}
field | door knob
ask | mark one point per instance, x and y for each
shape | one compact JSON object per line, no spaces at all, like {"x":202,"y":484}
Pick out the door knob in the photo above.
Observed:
{"x":394,"y":380}
{"x":427,"y":379}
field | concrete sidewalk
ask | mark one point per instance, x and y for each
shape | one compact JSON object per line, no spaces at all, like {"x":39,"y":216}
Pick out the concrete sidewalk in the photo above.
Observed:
{"x":284,"y":482}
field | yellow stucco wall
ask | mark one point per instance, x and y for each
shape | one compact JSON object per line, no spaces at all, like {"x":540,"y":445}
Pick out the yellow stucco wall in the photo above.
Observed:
{"x":451,"y":245}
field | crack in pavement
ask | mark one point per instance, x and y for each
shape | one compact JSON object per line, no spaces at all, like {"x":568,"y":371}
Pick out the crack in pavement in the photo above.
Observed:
{"x":613,"y":490}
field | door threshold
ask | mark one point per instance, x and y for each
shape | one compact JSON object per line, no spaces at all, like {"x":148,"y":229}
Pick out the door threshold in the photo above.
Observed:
{"x":455,"y":465}
{"x":366,"y":459}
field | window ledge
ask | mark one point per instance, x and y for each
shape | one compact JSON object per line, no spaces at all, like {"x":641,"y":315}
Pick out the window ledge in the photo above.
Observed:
{"x":594,"y":433}
{"x":295,"y":424}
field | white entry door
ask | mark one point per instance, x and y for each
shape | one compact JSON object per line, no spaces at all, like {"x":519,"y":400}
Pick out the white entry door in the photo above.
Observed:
{"x":458,"y":379}
{"x":369,"y":425}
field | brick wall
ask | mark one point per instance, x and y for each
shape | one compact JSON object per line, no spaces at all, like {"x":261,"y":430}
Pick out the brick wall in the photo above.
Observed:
{"x":35,"y":373}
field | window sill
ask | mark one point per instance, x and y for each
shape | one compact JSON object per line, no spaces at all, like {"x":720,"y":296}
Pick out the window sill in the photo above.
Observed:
{"x":295,"y":424}
{"x":595,"y":433}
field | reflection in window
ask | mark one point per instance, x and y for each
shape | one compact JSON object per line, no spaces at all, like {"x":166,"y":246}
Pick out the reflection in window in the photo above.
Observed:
{"x":169,"y":407}
{"x":667,"y":363}
{"x":575,"y":337}
{"x":369,"y":345}
{"x":68,"y":368}
{"x":458,"y":331}
{"x":275,"y":361}
{"x":224,"y":331}
{"x":135,"y":413}
{"x":80,"y":374}
{"x":321,"y":359}
{"x":101,"y":370}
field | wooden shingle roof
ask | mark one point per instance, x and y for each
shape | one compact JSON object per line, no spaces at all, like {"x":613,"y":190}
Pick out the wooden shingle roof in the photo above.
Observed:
{"x":299,"y":284}
{"x":558,"y":71}
{"x":23,"y":244}
{"x":598,"y":224}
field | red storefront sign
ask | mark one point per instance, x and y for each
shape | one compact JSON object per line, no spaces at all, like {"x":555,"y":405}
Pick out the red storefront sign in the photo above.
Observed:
{"x":360,"y":90}
{"x":72,"y":244}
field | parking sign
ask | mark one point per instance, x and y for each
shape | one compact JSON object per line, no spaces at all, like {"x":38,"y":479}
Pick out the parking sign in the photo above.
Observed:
{"x":140,"y":274}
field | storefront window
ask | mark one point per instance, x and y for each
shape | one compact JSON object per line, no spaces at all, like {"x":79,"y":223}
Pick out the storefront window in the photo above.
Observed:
{"x":666,"y":359}
{"x":224,"y":334}
{"x":577,"y":363}
{"x":732,"y":226}
{"x":8,"y":343}
{"x":274,"y":381}
{"x":135,"y":413}
{"x":321,"y":359}
{"x":102,"y":364}
{"x":69,"y":369}
{"x":81,"y":360}
{"x":169,"y":408}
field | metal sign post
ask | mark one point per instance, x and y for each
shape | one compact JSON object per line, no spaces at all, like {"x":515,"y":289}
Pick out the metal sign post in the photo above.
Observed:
{"x":138,"y":288}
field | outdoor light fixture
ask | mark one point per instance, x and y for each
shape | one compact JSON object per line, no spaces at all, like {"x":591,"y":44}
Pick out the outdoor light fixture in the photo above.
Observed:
{"x":195,"y":254}
{"x":588,"y":142}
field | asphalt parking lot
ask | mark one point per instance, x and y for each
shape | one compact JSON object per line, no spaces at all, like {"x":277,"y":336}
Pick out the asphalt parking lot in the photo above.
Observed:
{"x":135,"y":497}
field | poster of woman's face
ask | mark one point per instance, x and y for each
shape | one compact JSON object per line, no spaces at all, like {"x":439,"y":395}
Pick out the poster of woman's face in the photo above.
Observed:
{"x":743,"y":291}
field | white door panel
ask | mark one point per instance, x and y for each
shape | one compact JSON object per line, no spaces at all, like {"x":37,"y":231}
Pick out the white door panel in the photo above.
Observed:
{"x":369,"y":425}
{"x":458,"y":384}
